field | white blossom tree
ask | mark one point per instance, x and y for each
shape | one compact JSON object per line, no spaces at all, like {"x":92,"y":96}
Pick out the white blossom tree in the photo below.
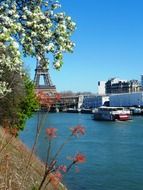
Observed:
{"x":32,"y":28}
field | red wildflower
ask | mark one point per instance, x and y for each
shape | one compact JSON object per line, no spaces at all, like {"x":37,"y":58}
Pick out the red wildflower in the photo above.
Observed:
{"x":55,"y":179}
{"x":63,"y":168}
{"x":51,"y":132}
{"x":58,"y":175}
{"x":78,"y":130}
{"x":79,"y":158}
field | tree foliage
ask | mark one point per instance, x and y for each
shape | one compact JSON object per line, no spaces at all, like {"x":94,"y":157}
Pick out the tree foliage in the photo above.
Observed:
{"x":28,"y":104}
{"x":32,"y":28}
{"x":17,"y":106}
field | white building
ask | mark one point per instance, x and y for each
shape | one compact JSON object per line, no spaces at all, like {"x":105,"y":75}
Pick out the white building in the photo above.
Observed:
{"x":127,"y":99}
{"x":80,"y":101}
{"x":101,"y":87}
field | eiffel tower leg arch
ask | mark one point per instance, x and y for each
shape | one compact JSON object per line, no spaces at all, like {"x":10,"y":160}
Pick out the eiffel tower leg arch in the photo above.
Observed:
{"x":42,"y":72}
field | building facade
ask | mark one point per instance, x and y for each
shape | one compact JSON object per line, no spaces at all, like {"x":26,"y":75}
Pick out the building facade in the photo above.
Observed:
{"x":101,"y":87}
{"x":94,"y":101}
{"x":127,"y":99}
{"x":116,"y":85}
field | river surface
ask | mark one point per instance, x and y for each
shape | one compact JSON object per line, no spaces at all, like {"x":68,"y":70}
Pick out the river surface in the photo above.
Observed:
{"x":114,"y":151}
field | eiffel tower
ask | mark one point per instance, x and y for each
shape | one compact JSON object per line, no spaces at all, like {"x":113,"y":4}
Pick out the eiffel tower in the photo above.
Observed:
{"x":42,"y":72}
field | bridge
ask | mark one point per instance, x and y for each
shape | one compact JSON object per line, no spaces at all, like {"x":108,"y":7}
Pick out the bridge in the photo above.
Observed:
{"x":69,"y":102}
{"x":62,"y":103}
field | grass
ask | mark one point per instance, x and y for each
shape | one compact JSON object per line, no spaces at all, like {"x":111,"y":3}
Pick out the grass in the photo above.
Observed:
{"x":14,"y":156}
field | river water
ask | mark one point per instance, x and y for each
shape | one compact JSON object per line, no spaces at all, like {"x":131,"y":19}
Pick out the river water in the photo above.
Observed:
{"x":114,"y":151}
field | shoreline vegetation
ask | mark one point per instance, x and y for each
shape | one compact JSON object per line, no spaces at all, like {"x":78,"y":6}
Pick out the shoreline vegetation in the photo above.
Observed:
{"x":14,"y":155}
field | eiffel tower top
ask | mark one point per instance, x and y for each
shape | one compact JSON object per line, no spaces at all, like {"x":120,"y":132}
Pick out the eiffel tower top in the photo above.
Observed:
{"x":42,"y":73}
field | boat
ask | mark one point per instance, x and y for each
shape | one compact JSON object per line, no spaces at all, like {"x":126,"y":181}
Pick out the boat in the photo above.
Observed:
{"x":86,"y":110}
{"x":136,"y":111}
{"x":73,"y":110}
{"x":54,"y":110}
{"x":104,"y":113}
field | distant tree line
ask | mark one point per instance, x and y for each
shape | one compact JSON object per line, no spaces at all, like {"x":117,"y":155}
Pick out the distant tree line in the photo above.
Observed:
{"x":71,"y":93}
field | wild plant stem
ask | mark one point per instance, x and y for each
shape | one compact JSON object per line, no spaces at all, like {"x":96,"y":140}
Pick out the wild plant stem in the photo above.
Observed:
{"x":47,"y":183}
{"x":6,"y":175}
{"x":40,"y":123}
{"x":48,"y":155}
{"x":52,"y":161}
{"x":69,"y":167}
{"x":47,"y":172}
{"x":7,"y":143}
{"x":61,"y":147}
{"x":44,"y":178}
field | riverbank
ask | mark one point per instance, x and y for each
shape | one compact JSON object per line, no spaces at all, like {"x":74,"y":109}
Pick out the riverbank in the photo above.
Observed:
{"x":14,"y":156}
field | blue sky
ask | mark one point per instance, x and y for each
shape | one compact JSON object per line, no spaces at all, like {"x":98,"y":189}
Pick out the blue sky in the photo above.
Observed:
{"x":109,"y":43}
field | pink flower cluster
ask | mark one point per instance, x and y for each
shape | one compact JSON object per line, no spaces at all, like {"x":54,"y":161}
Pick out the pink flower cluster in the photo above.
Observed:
{"x":51,"y":132}
{"x":79,"y":158}
{"x":78,"y":130}
{"x":56,"y":172}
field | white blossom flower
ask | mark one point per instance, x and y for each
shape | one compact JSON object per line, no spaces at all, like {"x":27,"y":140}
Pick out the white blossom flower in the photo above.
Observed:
{"x":68,"y":18}
{"x":15,"y":44}
{"x":38,"y":58}
{"x":24,"y":17}
{"x":50,"y":47}
{"x":57,"y":64}
{"x":4,"y":87}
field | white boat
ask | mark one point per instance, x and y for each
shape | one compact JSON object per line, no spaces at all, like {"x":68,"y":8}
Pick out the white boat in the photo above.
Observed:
{"x":86,"y":110}
{"x":136,"y":111}
{"x":104,"y":113}
{"x":73,"y":110}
